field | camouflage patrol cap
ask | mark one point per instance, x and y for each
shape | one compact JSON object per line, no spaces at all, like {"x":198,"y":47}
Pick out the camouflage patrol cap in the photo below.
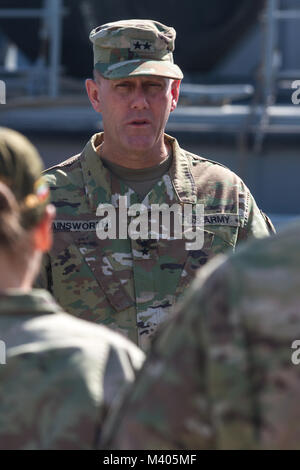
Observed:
{"x":134,"y":47}
{"x":20,"y":170}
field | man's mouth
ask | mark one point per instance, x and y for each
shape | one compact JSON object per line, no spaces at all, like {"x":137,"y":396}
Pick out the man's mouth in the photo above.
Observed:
{"x":139,"y":122}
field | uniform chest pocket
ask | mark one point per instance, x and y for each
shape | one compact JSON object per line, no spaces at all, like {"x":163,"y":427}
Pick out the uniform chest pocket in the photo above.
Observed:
{"x":84,"y":279}
{"x":213,"y":244}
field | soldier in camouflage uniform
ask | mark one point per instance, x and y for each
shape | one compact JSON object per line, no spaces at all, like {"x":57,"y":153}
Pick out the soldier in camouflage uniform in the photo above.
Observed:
{"x":225,"y":372}
{"x":58,"y":374}
{"x":132,"y":285}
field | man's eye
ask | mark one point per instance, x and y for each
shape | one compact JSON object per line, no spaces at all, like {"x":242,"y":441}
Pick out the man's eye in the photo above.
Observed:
{"x":122,"y":85}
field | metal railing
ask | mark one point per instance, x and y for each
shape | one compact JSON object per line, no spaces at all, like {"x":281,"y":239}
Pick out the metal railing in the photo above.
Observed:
{"x":51,"y":16}
{"x":271,"y":71}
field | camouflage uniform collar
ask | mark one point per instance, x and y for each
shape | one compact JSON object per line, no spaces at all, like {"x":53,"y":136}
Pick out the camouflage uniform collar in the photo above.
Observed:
{"x":97,"y":178}
{"x":16,"y":302}
{"x":181,"y":175}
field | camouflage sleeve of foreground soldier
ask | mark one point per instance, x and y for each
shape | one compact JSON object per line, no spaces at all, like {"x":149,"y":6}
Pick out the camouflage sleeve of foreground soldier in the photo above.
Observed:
{"x":59,"y":382}
{"x":220,"y":374}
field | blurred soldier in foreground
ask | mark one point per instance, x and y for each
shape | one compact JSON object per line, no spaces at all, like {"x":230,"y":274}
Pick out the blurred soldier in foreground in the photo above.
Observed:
{"x":225,"y":373}
{"x":131,"y":285}
{"x":60,"y":373}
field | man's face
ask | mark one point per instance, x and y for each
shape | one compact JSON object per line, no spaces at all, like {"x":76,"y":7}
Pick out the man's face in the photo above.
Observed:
{"x":135,"y":110}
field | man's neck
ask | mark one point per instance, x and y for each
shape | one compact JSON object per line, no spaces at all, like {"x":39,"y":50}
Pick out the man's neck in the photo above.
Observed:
{"x":21,"y":277}
{"x":135,"y":160}
{"x":12,"y":280}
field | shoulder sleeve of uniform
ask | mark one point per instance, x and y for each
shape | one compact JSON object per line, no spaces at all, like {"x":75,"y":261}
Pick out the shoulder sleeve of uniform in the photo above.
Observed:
{"x":198,"y":159}
{"x":119,"y":371}
{"x":256,"y":224}
{"x":57,"y":388}
{"x":64,"y":174}
{"x":269,"y":223}
{"x":253,"y":222}
{"x":124,"y":358}
{"x":66,"y":164}
{"x":216,"y":181}
{"x":121,"y":366}
{"x":82,"y":367}
{"x":250,"y":328}
{"x":215,"y":176}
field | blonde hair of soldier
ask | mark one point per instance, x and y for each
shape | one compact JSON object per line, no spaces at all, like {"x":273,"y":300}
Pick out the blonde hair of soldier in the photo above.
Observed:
{"x":25,"y":213}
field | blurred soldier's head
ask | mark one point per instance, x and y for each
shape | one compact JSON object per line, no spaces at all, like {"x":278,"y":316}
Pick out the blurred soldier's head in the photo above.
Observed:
{"x":25,"y":215}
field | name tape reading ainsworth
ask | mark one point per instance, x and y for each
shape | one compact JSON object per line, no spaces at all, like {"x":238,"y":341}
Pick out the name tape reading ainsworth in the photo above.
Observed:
{"x":186,"y":224}
{"x":2,"y":92}
{"x":157,"y":221}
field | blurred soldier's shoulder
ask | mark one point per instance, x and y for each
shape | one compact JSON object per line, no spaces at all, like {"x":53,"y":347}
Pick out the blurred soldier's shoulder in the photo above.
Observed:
{"x":63,"y":176}
{"x":60,"y":378}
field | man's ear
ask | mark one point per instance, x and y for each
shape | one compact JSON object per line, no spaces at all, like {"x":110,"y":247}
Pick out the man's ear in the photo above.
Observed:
{"x":92,"y":89}
{"x":175,"y":87}
{"x":42,"y":233}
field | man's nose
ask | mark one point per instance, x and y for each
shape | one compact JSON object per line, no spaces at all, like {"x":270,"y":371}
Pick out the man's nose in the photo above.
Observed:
{"x":139,"y":99}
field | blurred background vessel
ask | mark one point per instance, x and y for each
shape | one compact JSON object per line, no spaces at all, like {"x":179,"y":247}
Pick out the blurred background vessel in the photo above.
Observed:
{"x":241,"y":60}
